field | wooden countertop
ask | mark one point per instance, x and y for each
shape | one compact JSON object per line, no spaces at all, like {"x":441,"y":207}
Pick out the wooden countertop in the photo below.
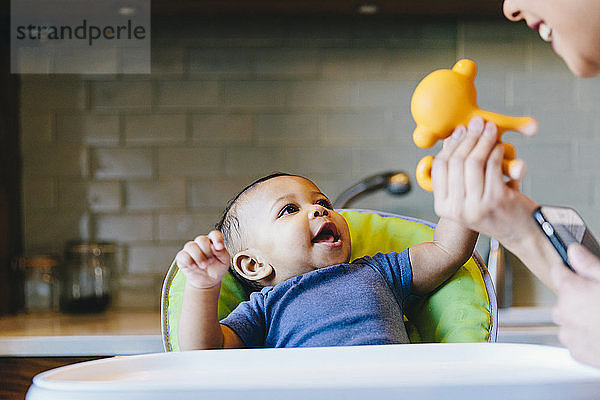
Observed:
{"x":57,"y":334}
{"x":137,"y":332}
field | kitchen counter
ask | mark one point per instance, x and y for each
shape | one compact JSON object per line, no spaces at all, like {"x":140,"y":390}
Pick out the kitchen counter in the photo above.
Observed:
{"x":56,"y":334}
{"x":527,"y":325}
{"x":132,"y":332}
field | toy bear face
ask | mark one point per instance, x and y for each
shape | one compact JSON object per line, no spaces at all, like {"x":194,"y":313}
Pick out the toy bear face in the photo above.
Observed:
{"x":443,"y":100}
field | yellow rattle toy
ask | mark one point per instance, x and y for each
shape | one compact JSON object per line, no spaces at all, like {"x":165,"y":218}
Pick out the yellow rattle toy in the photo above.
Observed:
{"x":446,"y":99}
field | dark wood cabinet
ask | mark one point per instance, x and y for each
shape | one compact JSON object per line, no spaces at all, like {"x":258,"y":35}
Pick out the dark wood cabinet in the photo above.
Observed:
{"x":10,"y":172}
{"x":405,"y":8}
{"x":16,"y":373}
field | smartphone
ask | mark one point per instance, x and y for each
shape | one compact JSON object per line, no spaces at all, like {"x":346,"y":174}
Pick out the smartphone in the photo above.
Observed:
{"x":563,"y":226}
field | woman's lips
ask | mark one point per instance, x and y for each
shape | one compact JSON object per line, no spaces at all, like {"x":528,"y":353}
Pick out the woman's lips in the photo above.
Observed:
{"x":543,"y":29}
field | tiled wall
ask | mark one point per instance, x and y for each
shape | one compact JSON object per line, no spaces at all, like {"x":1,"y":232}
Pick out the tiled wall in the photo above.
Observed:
{"x":149,"y":161}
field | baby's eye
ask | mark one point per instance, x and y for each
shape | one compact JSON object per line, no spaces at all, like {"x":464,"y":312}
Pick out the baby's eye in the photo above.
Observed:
{"x":288,"y":209}
{"x":325,"y":203}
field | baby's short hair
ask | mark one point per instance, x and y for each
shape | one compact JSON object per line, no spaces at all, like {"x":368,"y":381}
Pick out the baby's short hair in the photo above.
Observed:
{"x":233,"y":231}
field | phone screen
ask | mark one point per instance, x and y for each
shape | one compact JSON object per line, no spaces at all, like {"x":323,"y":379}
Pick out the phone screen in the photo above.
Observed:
{"x":566,"y":225}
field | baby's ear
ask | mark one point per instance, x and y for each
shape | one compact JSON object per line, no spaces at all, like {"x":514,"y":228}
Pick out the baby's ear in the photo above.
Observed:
{"x":248,"y":265}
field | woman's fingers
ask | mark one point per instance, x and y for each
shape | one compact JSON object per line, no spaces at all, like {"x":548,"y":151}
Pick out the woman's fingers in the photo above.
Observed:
{"x":439,"y":169}
{"x":469,"y":140}
{"x":494,"y":178}
{"x":467,"y":174}
{"x":475,"y":164}
{"x":457,"y":185}
{"x":529,"y":129}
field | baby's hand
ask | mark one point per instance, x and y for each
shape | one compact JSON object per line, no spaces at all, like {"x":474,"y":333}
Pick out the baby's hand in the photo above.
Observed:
{"x":204,"y":261}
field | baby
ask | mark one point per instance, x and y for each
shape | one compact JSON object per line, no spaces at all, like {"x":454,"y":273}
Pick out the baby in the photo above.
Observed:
{"x":282,"y":238}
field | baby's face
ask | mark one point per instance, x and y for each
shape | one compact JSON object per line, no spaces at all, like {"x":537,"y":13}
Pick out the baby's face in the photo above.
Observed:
{"x":293,"y":227}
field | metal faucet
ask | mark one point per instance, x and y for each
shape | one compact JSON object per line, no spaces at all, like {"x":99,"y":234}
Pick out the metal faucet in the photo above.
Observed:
{"x":394,"y":182}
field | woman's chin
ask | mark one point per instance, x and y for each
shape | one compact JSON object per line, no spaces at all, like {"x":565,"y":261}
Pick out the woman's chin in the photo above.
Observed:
{"x":580,"y":65}
{"x":584,"y":70}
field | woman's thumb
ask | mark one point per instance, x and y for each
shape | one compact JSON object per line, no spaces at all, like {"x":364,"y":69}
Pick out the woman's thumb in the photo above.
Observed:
{"x":584,"y":262}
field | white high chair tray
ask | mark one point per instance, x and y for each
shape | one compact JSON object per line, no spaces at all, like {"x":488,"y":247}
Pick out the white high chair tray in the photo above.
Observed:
{"x":423,"y":371}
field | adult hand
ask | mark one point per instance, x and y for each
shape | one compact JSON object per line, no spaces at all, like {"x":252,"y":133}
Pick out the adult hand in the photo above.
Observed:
{"x":576,"y":311}
{"x":204,"y":261}
{"x":469,"y":185}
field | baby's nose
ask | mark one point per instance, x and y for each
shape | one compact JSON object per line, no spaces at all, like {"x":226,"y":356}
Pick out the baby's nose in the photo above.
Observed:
{"x":319,"y":212}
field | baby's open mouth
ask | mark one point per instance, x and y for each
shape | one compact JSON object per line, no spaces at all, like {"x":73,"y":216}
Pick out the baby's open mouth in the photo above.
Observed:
{"x":328,"y":233}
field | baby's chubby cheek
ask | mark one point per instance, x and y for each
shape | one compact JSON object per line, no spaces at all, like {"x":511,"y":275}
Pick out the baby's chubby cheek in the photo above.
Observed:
{"x":345,"y":256}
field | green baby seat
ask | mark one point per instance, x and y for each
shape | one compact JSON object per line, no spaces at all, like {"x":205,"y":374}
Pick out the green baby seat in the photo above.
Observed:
{"x":463,"y":309}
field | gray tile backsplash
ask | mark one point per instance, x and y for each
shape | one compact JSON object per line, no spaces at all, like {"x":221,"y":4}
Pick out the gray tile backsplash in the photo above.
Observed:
{"x":149,"y":161}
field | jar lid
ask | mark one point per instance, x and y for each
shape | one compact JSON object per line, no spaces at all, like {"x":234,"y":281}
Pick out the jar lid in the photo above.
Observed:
{"x":38,"y":261}
{"x":95,"y":248}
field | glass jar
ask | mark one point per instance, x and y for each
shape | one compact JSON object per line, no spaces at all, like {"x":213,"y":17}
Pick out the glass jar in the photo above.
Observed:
{"x":86,"y":277}
{"x":40,"y":287}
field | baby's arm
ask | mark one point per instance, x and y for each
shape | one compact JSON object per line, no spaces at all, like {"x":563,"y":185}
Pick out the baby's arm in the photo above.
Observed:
{"x":434,"y":262}
{"x":204,"y":262}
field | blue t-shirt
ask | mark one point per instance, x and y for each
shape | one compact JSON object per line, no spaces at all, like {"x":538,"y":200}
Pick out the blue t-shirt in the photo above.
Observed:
{"x":359,"y":303}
